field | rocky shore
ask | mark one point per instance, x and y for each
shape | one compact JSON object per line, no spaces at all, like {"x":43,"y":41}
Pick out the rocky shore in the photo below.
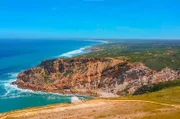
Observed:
{"x":92,"y":76}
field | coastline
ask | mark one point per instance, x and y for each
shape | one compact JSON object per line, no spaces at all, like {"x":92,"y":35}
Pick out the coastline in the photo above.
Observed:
{"x":70,"y":54}
{"x":12,"y":89}
{"x":105,"y":102}
{"x":83,"y":50}
{"x":93,"y":76}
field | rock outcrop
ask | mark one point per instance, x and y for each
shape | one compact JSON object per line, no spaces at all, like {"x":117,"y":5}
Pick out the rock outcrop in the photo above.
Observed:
{"x":91,"y":75}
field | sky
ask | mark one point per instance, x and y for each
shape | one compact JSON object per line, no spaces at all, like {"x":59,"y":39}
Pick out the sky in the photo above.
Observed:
{"x":116,"y":19}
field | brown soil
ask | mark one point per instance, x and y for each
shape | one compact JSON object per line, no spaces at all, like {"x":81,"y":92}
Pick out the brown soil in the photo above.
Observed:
{"x":97,"y":109}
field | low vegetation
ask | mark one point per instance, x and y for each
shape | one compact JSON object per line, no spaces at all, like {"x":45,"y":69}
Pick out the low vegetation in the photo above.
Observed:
{"x":157,"y":87}
{"x":154,"y":54}
{"x":169,"y":95}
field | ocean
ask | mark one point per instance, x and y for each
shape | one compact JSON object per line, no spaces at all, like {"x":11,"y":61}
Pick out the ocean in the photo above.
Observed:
{"x":17,"y":55}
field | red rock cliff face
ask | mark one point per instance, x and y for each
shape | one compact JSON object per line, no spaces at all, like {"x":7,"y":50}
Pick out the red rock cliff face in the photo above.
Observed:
{"x":90,"y":75}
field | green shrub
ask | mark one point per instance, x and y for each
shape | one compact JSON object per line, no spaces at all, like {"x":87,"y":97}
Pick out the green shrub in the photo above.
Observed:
{"x":157,"y":87}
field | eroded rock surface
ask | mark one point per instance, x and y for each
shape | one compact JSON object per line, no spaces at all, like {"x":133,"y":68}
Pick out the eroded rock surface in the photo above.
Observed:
{"x":91,"y":75}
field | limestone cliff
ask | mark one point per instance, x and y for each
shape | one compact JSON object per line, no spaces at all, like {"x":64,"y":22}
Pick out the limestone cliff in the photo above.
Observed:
{"x":91,"y":75}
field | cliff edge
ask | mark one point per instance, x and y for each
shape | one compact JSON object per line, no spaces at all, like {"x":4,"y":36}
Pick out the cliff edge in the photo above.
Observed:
{"x":91,"y":76}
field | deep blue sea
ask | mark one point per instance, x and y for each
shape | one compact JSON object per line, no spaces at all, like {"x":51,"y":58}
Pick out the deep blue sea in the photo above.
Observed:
{"x":18,"y":55}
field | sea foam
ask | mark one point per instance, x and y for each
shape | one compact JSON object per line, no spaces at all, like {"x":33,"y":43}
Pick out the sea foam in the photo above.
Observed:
{"x":81,"y":50}
{"x":12,"y":91}
{"x":74,"y":52}
{"x":100,"y":41}
{"x":13,"y":75}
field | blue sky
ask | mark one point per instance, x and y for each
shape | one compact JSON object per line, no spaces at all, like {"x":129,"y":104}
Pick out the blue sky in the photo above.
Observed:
{"x":90,"y":19}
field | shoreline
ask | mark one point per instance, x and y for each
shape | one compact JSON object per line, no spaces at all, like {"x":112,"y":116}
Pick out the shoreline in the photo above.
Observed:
{"x":133,"y":102}
{"x":43,"y":87}
{"x":8,"y":83}
{"x":83,"y":50}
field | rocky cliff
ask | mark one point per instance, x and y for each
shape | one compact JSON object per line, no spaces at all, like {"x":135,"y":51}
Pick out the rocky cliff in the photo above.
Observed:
{"x":91,"y":76}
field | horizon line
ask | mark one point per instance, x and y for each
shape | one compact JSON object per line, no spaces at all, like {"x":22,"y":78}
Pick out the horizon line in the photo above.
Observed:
{"x":89,"y":38}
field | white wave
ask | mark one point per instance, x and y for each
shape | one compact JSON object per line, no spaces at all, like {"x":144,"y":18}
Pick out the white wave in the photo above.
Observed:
{"x":12,"y":91}
{"x":75,"y":99}
{"x":100,"y":41}
{"x":13,"y":75}
{"x":92,"y":40}
{"x":81,"y":50}
{"x":10,"y":88}
{"x":12,"y":96}
{"x":74,"y":52}
{"x":5,"y":82}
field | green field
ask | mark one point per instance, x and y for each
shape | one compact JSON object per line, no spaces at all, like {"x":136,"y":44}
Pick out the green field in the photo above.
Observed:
{"x":154,"y":54}
{"x":169,"y":95}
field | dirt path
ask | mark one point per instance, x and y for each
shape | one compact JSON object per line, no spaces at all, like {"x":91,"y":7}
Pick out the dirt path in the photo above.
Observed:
{"x":158,"y":103}
{"x":94,"y":109}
